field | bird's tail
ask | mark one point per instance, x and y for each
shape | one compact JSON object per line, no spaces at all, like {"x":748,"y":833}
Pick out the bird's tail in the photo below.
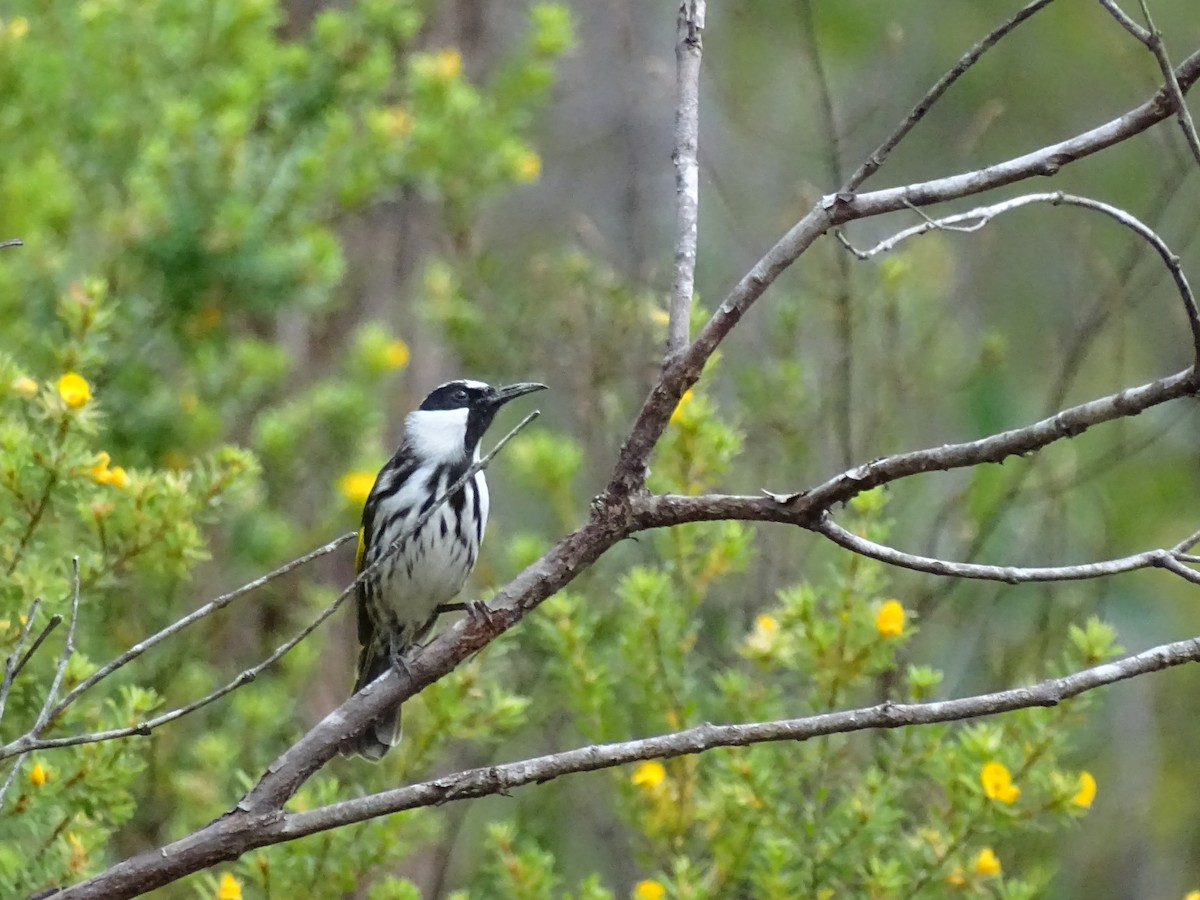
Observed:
{"x":383,"y":732}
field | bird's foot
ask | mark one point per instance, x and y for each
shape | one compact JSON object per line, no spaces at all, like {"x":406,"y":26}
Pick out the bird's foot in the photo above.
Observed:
{"x":396,"y":657}
{"x":478,"y":609}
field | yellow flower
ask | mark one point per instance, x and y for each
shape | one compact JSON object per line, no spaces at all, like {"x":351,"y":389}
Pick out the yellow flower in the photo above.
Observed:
{"x":997,"y":783}
{"x":396,"y":354}
{"x":229,"y":888}
{"x":762,"y":639}
{"x":18,"y":27}
{"x":1087,"y":792}
{"x":986,"y":863}
{"x":649,"y":890}
{"x":38,"y":775}
{"x":677,"y":415}
{"x":356,"y":486}
{"x":74,"y":390}
{"x":889,"y":621}
{"x":25,"y":386}
{"x":447,"y":64}
{"x":102,"y":474}
{"x":527,"y":167}
{"x":1192,"y":895}
{"x":649,"y":774}
{"x":99,"y":471}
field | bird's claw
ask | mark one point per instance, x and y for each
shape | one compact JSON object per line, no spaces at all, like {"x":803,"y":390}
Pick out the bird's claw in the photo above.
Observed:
{"x":477,"y":609}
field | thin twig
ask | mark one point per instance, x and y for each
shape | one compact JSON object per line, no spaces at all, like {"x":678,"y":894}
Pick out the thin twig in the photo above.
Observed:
{"x":873,"y":162}
{"x":977,"y":218}
{"x":1159,"y":48}
{"x":68,"y":651}
{"x":1164,"y":559}
{"x":55,"y":621}
{"x":1140,"y":33}
{"x":12,"y":242}
{"x":191,"y":618}
{"x":11,"y":666}
{"x":689,"y":48}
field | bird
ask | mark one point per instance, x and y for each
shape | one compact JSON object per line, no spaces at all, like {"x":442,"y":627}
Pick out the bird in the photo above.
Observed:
{"x":398,"y":602}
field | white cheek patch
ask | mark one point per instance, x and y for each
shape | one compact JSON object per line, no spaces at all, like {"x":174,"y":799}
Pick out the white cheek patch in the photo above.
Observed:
{"x":438,"y":434}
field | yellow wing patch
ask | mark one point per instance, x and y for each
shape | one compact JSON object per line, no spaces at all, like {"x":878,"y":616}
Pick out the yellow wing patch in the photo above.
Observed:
{"x":362,"y":549}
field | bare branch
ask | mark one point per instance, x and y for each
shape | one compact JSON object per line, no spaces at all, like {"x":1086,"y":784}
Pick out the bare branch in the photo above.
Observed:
{"x":689,"y":47}
{"x":629,"y":474}
{"x":873,"y":162}
{"x":240,"y":831}
{"x":1164,"y":559}
{"x":11,"y":666}
{"x":60,"y":670}
{"x":977,"y":218}
{"x":191,"y":618}
{"x":1159,"y":49}
{"x":804,"y":508}
{"x":54,"y":622}
{"x":1127,"y":23}
{"x":12,"y":242}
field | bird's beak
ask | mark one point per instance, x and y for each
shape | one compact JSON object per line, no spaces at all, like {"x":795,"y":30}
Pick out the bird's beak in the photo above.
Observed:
{"x":504,"y":394}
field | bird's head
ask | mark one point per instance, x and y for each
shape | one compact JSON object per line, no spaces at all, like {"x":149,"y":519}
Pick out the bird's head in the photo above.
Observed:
{"x":451,"y":421}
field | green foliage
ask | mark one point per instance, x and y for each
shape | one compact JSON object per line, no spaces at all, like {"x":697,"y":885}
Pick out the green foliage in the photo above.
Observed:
{"x":182,"y":257}
{"x":917,"y":811}
{"x":135,"y":534}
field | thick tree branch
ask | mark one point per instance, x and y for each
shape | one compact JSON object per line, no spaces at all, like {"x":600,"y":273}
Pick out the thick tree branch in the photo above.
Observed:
{"x":234,"y":834}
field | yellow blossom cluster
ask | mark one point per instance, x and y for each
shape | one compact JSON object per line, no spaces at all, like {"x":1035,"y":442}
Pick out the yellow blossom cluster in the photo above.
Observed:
{"x":1086,"y":792}
{"x":649,"y":774}
{"x":228,"y":888}
{"x":998,"y":784}
{"x":889,"y":620}
{"x":102,"y":474}
{"x":649,"y":890}
{"x":38,"y":775}
{"x":763,"y":639}
{"x":74,"y":390}
{"x":985,"y":865}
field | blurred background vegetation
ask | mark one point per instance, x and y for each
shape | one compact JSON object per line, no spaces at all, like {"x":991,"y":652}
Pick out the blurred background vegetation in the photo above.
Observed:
{"x":260,"y":232}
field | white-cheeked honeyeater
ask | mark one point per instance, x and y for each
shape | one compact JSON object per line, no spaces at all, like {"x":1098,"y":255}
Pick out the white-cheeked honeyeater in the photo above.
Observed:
{"x":398,"y":603}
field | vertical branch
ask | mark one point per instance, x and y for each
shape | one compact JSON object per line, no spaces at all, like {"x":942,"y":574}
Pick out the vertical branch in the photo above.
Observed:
{"x":688,"y":49}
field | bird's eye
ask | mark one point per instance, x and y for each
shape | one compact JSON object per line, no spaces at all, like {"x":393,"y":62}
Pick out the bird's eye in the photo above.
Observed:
{"x":459,"y":396}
